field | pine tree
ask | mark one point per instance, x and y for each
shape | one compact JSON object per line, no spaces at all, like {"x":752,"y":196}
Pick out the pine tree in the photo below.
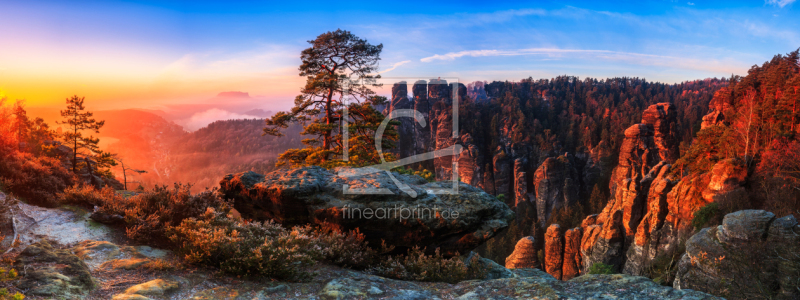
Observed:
{"x":339,"y":68}
{"x":21,"y":123}
{"x":86,"y":148}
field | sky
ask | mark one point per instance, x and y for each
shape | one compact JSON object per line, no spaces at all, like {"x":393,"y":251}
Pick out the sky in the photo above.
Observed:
{"x":164,"y":54}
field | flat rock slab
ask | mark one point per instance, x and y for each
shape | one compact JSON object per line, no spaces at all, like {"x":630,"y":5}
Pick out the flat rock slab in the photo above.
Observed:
{"x":63,"y":226}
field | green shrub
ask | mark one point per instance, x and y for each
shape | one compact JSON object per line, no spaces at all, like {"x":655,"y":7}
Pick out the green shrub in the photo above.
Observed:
{"x":426,"y":174}
{"x":601,"y":268}
{"x":705,"y":214}
{"x":416,"y":265}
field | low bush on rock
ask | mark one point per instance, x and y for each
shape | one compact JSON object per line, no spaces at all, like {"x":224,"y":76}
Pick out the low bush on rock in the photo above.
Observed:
{"x":88,"y":196}
{"x":243,"y":248}
{"x":417,"y":266}
{"x":147,"y":216}
{"x":601,"y":268}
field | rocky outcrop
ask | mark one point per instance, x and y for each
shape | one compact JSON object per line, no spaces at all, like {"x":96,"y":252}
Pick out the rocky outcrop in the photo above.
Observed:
{"x":554,"y":181}
{"x":526,"y":284}
{"x":404,"y":218}
{"x":524,"y":255}
{"x":554,"y":251}
{"x":751,"y":255}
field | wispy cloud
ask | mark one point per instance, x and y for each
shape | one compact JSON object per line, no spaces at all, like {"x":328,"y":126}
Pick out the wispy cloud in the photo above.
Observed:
{"x":607,"y":55}
{"x":780,"y":3}
{"x":394,"y":66}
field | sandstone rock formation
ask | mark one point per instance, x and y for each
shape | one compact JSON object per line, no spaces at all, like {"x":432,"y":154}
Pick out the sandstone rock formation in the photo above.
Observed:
{"x":524,"y":255}
{"x":520,"y":182}
{"x":640,"y":187}
{"x":470,"y":168}
{"x":405,"y":131}
{"x":751,"y":255}
{"x":572,"y":254}
{"x":451,"y":222}
{"x":554,"y":251}
{"x":608,"y":246}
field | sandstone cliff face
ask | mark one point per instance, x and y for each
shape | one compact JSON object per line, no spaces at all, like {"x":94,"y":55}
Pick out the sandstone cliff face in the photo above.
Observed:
{"x":524,"y":255}
{"x":751,"y":255}
{"x":648,"y":242}
{"x":555,"y":187}
{"x":662,"y":117}
{"x":608,"y":246}
{"x":720,"y":104}
{"x":316,"y":195}
{"x":470,"y":170}
{"x":572,"y":254}
{"x":639,"y":195}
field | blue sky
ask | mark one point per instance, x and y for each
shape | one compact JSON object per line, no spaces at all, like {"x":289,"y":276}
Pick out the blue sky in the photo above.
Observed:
{"x":145,"y":53}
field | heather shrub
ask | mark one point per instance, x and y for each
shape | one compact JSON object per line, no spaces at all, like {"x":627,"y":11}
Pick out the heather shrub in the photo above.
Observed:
{"x":247,"y":248}
{"x":146,"y":216}
{"x":35,"y":179}
{"x":88,"y":196}
{"x":416,"y":265}
{"x":348,"y":249}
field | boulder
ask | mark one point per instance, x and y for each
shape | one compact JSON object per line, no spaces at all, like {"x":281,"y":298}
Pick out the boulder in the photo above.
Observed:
{"x":751,"y":255}
{"x":413,"y":216}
